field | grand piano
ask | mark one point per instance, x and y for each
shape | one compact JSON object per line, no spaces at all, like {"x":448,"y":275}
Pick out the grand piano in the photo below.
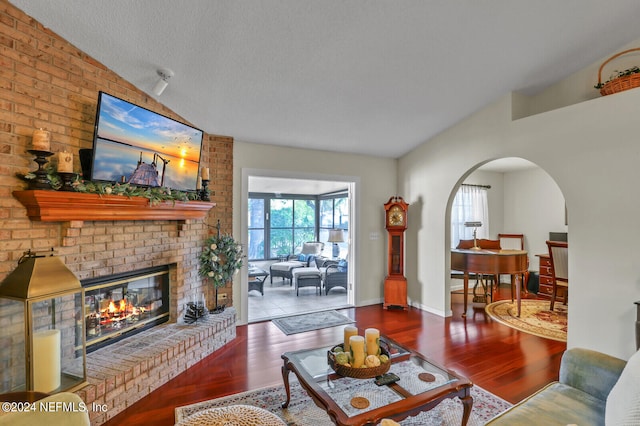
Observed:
{"x":490,"y":262}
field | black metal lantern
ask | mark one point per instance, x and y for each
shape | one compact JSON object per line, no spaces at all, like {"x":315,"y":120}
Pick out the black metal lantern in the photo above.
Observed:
{"x":42,"y":338}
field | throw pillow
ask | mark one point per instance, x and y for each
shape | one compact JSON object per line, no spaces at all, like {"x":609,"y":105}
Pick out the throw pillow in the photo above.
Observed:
{"x":302,"y":257}
{"x":342,"y":265}
{"x":623,"y":402}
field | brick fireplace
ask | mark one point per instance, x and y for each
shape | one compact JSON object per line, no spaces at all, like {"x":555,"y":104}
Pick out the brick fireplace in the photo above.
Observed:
{"x":53,"y":85}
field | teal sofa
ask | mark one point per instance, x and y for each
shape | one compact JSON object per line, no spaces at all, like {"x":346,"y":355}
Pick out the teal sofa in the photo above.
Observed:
{"x":580,"y":396}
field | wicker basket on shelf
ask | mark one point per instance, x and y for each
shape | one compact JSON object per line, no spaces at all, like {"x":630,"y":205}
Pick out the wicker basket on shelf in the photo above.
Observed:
{"x":359,"y":373}
{"x":621,"y":83}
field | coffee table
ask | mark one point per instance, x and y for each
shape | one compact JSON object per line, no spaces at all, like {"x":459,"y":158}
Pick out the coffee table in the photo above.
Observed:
{"x":422,"y":385}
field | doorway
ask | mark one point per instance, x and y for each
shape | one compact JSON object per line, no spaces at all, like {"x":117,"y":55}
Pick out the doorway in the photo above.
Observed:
{"x":265,"y":245}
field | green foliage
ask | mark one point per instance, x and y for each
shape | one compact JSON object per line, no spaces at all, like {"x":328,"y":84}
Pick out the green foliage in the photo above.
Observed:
{"x":153,"y":194}
{"x":220,"y":259}
{"x":618,"y":74}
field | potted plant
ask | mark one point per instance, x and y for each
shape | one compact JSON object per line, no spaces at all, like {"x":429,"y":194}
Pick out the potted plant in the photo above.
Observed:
{"x":220,"y":260}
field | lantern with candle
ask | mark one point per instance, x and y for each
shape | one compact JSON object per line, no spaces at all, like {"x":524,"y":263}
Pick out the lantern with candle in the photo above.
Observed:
{"x":43,"y":346}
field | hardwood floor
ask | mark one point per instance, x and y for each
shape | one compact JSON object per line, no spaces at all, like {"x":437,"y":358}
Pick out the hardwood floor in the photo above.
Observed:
{"x":497,"y":358}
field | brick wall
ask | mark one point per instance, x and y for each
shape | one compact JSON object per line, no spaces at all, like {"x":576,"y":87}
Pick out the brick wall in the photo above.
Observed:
{"x":45,"y":82}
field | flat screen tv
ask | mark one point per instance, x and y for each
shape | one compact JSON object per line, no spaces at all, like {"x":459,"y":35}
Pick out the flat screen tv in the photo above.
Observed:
{"x":134,"y":145}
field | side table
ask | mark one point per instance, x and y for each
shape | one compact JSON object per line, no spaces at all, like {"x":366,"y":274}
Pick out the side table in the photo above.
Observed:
{"x":257,"y":277}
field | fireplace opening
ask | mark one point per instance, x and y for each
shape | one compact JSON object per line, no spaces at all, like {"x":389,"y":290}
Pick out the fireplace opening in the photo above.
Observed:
{"x":121,"y":305}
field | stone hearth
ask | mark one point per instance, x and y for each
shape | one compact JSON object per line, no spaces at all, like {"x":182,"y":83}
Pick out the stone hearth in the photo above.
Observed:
{"x":123,"y":373}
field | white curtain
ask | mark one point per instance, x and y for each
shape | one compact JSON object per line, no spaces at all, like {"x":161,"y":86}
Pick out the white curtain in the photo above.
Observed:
{"x":470,"y":205}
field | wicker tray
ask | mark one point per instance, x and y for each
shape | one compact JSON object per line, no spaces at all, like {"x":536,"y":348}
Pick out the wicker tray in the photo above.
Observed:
{"x":359,"y":373}
{"x":621,"y":83}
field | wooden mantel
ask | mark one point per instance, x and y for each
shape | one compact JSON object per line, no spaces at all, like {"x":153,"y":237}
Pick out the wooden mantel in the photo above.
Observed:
{"x":63,"y":206}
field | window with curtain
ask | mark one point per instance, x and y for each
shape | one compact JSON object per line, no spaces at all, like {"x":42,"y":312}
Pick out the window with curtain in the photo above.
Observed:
{"x":469,"y":205}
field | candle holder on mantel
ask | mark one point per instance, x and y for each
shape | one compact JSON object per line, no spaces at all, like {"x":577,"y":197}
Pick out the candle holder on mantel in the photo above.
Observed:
{"x":67,"y":181}
{"x":204,"y":192}
{"x":41,"y":180}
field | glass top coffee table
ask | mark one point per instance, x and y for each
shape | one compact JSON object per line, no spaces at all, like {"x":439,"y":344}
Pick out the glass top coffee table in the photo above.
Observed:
{"x":422,"y":386}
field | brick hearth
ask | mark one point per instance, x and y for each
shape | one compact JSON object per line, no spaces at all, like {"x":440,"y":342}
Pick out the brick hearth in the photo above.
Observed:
{"x":123,"y":373}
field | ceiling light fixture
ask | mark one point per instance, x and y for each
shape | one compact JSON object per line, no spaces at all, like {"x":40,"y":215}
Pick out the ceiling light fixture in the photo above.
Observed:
{"x":165,"y":74}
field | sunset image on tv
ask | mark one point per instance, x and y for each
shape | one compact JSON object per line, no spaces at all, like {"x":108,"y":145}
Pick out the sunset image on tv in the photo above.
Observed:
{"x":138,"y":146}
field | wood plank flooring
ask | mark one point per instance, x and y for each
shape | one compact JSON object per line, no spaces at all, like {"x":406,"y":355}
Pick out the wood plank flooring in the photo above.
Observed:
{"x":497,"y":358}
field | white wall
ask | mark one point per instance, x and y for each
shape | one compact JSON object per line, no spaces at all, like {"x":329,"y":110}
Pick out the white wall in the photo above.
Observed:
{"x":590,"y":149}
{"x":376,"y":182}
{"x":533,"y":206}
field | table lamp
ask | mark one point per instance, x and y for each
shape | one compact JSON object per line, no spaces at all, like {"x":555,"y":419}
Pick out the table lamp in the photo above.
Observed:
{"x":336,"y":236}
{"x":475,"y":226}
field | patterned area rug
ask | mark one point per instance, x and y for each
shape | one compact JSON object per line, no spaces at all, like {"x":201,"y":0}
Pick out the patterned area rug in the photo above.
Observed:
{"x":313,"y":321}
{"x":535,"y":318}
{"x":302,"y":411}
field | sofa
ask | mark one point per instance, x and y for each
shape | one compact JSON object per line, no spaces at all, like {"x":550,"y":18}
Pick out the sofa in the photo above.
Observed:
{"x":593,"y":389}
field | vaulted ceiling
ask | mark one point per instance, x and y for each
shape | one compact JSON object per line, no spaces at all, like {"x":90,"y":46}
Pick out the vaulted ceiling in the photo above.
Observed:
{"x":362,"y":76}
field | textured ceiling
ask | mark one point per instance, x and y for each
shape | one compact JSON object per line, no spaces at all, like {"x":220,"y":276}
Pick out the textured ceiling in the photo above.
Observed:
{"x":362,"y":76}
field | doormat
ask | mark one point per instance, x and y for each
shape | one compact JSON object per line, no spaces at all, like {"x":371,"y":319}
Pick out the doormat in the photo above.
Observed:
{"x":313,"y":321}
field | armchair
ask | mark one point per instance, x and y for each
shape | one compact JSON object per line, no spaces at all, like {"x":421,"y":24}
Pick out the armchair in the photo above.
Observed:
{"x":336,"y":275}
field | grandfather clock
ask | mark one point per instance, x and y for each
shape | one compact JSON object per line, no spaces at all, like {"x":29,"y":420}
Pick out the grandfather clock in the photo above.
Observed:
{"x":395,"y":284}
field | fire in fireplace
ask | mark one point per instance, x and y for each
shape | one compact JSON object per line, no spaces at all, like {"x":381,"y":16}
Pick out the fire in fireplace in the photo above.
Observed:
{"x":120,"y":305}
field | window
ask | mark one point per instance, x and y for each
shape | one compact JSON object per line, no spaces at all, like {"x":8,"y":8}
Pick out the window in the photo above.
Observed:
{"x":470,"y":205}
{"x":279,"y":225}
{"x":334,"y":214}
{"x":256,"y":228}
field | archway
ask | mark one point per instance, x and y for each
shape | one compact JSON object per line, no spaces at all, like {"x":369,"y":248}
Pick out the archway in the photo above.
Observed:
{"x":523,"y":199}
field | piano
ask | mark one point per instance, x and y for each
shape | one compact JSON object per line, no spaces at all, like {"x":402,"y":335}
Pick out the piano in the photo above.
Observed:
{"x":490,"y":262}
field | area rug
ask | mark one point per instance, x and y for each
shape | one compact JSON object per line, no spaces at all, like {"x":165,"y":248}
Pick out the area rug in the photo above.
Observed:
{"x":302,"y":411}
{"x":535,"y":318}
{"x":313,"y":321}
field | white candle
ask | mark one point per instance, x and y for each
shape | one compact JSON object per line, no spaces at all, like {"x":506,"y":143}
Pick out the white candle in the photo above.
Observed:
{"x":205,"y":173}
{"x":46,"y":361}
{"x":372,"y":340}
{"x":356,"y":347}
{"x":41,"y":140}
{"x":348,"y":332}
{"x":199,"y":183}
{"x":65,"y":162}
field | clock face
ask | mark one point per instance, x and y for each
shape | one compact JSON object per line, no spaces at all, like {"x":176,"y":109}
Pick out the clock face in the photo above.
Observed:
{"x":396,"y":216}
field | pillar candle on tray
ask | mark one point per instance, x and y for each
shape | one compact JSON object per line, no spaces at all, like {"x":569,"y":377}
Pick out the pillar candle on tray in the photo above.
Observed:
{"x":356,"y":345}
{"x":65,"y":162}
{"x":348,"y":332}
{"x":199,"y":183}
{"x":205,"y":173}
{"x":372,"y":338}
{"x":46,"y":360}
{"x":41,"y":140}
